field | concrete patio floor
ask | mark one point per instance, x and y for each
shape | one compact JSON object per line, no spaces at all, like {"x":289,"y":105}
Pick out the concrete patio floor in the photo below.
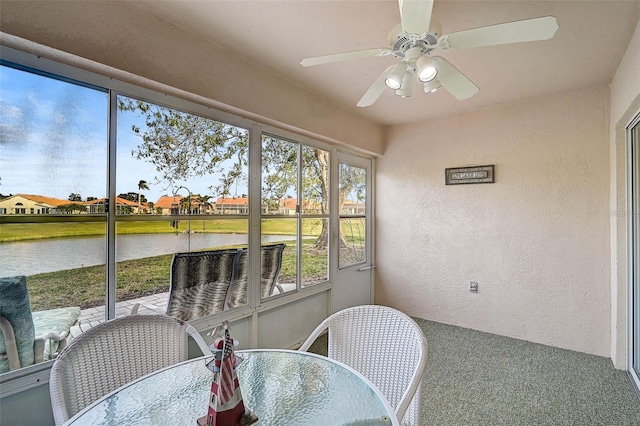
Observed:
{"x":92,"y":316}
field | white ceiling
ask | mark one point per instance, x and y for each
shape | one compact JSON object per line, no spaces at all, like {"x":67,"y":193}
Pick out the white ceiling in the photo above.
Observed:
{"x":277,"y":35}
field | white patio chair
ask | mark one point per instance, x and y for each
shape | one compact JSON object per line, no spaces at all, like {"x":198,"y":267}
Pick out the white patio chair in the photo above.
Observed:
{"x":114,"y":353}
{"x":387,"y":347}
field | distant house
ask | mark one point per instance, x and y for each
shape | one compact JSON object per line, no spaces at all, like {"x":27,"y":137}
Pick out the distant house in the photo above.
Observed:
{"x":287,"y":206}
{"x":122,"y":206}
{"x":38,"y":204}
{"x":179,"y":205}
{"x":31,"y":204}
{"x":168,"y":204}
{"x":352,"y":207}
{"x":232,"y":206}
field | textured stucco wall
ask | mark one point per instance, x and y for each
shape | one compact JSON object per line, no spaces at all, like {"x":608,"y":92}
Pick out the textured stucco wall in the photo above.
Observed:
{"x":124,"y":37}
{"x":625,"y":104}
{"x":536,"y":241}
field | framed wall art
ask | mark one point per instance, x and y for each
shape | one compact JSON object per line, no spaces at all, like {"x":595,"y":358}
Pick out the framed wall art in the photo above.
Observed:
{"x":466,"y":175}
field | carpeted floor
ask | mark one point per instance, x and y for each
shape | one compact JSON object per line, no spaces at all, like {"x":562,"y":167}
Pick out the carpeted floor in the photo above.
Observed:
{"x":476,"y":378}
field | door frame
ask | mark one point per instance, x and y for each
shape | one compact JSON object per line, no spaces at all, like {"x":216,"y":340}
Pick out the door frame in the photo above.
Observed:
{"x":362,"y":273}
{"x":633,"y":247}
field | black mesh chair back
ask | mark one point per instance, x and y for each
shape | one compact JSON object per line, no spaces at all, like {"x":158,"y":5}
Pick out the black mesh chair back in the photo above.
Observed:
{"x":271,"y":264}
{"x":199,"y":283}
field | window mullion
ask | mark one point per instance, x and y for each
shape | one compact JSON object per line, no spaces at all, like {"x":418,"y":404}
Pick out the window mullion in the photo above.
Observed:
{"x":255,"y":213}
{"x":110,"y":312}
{"x":299,"y":222}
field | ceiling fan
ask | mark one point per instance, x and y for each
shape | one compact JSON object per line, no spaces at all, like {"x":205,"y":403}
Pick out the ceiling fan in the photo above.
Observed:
{"x":418,"y":36}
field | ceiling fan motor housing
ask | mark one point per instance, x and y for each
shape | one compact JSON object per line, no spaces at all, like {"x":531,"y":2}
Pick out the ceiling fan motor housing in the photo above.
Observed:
{"x":400,"y":42}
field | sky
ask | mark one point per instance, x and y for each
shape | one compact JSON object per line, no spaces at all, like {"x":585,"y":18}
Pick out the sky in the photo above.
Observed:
{"x":53,"y":142}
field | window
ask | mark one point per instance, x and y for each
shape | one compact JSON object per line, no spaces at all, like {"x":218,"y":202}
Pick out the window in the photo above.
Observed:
{"x":190,"y":172}
{"x":104,"y":200}
{"x":353,"y":198}
{"x":295,"y":179}
{"x":53,"y":141}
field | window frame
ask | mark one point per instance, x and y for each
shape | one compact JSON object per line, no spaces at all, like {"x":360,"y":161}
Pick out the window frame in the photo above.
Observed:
{"x":104,"y":78}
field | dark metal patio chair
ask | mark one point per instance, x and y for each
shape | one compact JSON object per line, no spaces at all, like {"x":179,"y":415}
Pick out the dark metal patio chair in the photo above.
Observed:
{"x":199,"y":283}
{"x":271,"y":264}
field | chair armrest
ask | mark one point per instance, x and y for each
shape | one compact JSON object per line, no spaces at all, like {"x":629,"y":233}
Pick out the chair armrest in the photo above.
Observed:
{"x":38,"y":351}
{"x":134,"y":309}
{"x":10,"y":343}
{"x":48,"y":345}
{"x":80,"y":327}
{"x":321,"y":328}
{"x":52,"y":327}
{"x":56,"y":337}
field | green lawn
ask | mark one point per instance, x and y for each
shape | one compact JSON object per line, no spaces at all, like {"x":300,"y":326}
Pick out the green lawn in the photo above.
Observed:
{"x":10,"y":232}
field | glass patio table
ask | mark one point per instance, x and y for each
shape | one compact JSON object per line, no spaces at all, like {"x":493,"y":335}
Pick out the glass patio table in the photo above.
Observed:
{"x":282,"y":387}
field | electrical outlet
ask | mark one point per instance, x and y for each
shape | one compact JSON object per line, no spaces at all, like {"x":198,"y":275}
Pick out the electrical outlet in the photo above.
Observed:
{"x":473,"y":287}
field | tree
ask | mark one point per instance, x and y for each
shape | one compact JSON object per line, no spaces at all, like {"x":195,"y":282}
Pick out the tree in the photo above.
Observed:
{"x":141,"y":185}
{"x":203,"y":200}
{"x":186,"y":205}
{"x":130,"y":196}
{"x":71,"y":208}
{"x":74,"y":197}
{"x":125,"y":209}
{"x":133,"y":197}
{"x":182,"y":146}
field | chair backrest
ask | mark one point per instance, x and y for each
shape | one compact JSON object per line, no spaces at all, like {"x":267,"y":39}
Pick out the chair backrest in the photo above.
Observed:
{"x":386,"y":346}
{"x":271,"y":264}
{"x":18,"y":332}
{"x":114,"y":353}
{"x":199,"y":283}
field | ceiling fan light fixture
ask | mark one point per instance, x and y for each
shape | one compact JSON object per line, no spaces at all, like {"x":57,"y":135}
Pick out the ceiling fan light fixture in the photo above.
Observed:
{"x":405,"y":89}
{"x":428,"y":74}
{"x":393,"y":82}
{"x":426,"y":70}
{"x":432,"y":86}
{"x":396,"y":76}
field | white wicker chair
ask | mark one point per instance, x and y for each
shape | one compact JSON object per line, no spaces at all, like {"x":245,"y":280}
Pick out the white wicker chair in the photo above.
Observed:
{"x":387,"y":347}
{"x":114,"y":353}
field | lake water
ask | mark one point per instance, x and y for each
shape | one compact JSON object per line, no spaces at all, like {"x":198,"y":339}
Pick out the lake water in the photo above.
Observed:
{"x":35,"y":257}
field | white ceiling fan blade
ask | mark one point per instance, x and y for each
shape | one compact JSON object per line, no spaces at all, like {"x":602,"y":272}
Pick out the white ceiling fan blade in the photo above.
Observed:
{"x":453,"y":80}
{"x":336,"y":57}
{"x":511,"y":32}
{"x":415,"y":15}
{"x":376,"y":89}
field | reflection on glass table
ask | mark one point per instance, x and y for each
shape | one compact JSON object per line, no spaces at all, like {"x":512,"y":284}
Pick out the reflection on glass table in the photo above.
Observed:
{"x":282,"y":387}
